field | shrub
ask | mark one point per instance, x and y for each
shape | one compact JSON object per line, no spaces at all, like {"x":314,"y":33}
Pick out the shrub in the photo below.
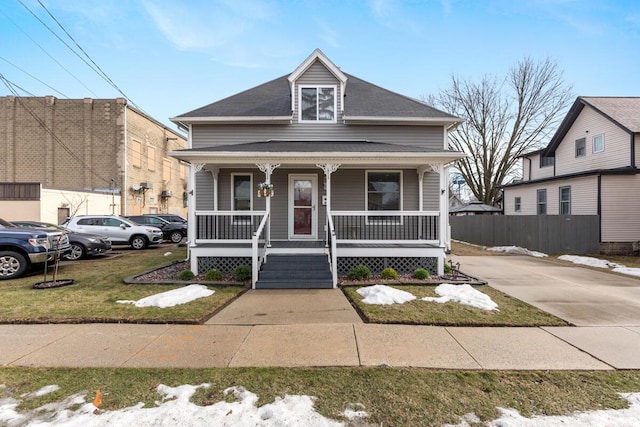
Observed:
{"x":389,"y":274}
{"x":359,"y":272}
{"x":421,"y":274}
{"x":213,"y":275}
{"x":242,"y":273}
{"x":447,"y":268}
{"x":186,"y":275}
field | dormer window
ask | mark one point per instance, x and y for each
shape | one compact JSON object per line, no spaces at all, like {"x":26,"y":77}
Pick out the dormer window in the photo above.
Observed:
{"x":318,"y":104}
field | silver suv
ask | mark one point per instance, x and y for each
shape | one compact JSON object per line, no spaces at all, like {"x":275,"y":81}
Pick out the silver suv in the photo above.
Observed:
{"x":120,"y":231}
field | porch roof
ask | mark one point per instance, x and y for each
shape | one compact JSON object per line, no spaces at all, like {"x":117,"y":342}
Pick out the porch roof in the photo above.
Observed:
{"x":354,"y":153}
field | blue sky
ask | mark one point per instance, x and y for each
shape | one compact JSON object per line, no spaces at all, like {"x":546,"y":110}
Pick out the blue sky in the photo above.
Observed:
{"x":170,"y":57}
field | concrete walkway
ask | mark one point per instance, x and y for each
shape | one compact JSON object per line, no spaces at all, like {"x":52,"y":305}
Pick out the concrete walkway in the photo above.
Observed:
{"x":318,"y":328}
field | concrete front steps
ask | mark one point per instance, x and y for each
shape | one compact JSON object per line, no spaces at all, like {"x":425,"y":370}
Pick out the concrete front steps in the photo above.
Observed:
{"x":309,"y":271}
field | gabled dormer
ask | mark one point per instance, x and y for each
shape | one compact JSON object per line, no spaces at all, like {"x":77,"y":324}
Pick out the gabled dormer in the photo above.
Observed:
{"x":317,"y":88}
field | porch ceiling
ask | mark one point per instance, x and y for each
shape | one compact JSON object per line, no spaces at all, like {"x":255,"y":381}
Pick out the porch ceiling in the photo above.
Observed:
{"x":306,"y":153}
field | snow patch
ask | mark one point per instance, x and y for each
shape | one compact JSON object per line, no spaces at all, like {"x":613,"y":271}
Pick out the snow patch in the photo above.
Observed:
{"x":463,"y":294}
{"x":517,"y":251}
{"x":606,"y":417}
{"x":173,"y":297}
{"x":384,"y":295}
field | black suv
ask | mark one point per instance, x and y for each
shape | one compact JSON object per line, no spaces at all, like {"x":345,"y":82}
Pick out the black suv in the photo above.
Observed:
{"x":174,"y":231}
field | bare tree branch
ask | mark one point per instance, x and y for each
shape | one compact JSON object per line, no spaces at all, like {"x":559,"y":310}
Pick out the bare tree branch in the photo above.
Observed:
{"x":505,"y":118}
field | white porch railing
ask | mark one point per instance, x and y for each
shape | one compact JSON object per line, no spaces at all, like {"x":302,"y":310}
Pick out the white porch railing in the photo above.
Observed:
{"x":333,"y":251}
{"x":388,"y":226}
{"x":227,"y":226}
{"x":256,"y":259}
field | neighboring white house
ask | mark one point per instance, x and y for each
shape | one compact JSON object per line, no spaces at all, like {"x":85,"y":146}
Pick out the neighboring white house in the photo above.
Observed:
{"x":590,"y":167}
{"x":345,"y":168}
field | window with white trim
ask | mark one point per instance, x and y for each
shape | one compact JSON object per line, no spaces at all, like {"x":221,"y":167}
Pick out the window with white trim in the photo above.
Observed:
{"x":241,"y":194}
{"x":317,"y":104}
{"x":565,"y":200}
{"x":517,"y":204}
{"x":598,"y":143}
{"x":384,"y":193}
{"x":542,"y":202}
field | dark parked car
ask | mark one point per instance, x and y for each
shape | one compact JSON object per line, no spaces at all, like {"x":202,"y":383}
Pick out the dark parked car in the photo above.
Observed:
{"x":173,"y":231}
{"x":82,"y":244}
{"x":171,"y":217}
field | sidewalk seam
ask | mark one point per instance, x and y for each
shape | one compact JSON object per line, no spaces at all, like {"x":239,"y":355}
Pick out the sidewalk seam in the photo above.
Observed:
{"x":244,"y":341}
{"x":10,"y":363}
{"x":464,"y":348}
{"x":578,"y":348}
{"x":355,"y":338}
{"x":126,"y":360}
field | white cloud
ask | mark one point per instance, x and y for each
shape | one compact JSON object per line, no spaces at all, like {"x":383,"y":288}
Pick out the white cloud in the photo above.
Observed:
{"x":236,"y":33}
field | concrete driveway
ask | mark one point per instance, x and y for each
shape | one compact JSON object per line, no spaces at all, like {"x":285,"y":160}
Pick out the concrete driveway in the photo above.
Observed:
{"x":581,"y":296}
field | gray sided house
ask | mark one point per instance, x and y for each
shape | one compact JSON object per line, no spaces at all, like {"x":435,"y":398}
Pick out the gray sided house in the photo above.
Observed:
{"x":589,"y":168}
{"x":317,"y":170}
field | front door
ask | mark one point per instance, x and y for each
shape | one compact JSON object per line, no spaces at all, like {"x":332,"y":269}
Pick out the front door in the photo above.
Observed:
{"x":303,"y":212}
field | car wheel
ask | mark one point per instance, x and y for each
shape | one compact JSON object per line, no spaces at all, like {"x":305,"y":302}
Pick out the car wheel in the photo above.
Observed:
{"x":12,"y":265}
{"x":138,"y":242}
{"x":77,"y":252}
{"x":176,"y":237}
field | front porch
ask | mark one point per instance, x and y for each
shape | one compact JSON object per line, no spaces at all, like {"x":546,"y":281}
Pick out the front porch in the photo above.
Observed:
{"x":403,"y":240}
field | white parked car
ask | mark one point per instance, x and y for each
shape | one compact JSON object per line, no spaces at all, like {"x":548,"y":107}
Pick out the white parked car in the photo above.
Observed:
{"x":119,"y":230}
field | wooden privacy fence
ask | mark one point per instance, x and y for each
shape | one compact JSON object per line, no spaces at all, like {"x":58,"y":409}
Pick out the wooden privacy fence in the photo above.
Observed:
{"x":551,"y":234}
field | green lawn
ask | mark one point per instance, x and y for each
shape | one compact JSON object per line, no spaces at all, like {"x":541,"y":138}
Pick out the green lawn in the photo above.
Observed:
{"x":99,"y":283}
{"x":393,"y":397}
{"x":511,"y":312}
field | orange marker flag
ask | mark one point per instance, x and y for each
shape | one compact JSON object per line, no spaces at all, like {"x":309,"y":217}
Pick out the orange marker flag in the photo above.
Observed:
{"x":98,"y":400}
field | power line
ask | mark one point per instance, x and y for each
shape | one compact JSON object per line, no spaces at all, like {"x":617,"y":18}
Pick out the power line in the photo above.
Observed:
{"x":33,"y":77}
{"x":48,"y":54}
{"x":42,"y":124}
{"x":97,"y":68}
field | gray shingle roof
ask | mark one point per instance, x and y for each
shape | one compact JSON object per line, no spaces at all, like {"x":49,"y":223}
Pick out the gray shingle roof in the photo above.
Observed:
{"x":365,"y":99}
{"x":274,"y":146}
{"x":624,"y":110}
{"x":362,"y":99}
{"x":269,"y":99}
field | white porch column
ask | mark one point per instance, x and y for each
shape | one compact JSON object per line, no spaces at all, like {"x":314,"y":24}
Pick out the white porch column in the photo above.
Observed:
{"x":328,"y":169}
{"x":421,"y":170}
{"x":191,"y":212}
{"x":267,"y":169}
{"x":443,"y":223}
{"x":214,"y":174}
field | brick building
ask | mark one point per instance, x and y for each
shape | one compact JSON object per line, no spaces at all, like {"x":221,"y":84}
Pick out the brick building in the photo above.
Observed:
{"x":93,"y":146}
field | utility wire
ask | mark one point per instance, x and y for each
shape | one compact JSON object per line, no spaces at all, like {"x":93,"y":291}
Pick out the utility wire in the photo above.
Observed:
{"x":33,"y":77}
{"x":97,"y":68}
{"x":11,"y":86}
{"x":49,"y":55}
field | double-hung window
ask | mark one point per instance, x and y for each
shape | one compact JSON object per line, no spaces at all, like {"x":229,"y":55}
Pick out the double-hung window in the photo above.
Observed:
{"x":565,"y":200}
{"x":542,"y":202}
{"x":581,"y":149}
{"x":318,"y":104}
{"x":517,"y":204}
{"x":384,"y":193}
{"x":241,"y":193}
{"x":598,"y":143}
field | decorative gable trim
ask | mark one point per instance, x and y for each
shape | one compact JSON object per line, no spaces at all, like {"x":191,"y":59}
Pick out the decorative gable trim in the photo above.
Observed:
{"x":317,"y":55}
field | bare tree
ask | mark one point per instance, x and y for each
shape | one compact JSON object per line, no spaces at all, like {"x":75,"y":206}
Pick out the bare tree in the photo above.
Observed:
{"x":505,"y":118}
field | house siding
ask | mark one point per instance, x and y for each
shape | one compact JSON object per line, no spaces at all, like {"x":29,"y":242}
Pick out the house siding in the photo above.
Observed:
{"x":620,"y":204}
{"x":588,"y":124}
{"x":214,"y":135}
{"x":533,"y":170}
{"x":583,"y":197}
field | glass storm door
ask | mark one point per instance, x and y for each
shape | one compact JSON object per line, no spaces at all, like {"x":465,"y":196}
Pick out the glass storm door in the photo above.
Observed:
{"x":303,"y":217}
